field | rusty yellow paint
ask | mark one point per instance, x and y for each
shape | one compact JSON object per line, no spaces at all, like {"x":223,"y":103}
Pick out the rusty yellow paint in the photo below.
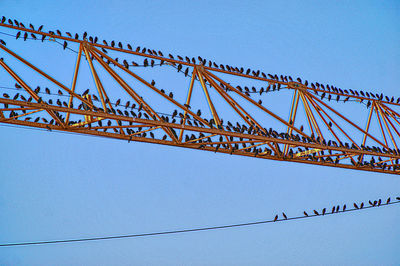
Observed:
{"x":299,"y":154}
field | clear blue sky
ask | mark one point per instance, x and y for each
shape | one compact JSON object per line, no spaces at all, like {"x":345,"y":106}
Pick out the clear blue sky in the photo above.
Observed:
{"x":55,"y":186}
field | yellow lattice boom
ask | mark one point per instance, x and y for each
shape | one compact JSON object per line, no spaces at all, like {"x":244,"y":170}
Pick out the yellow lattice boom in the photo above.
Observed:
{"x":208,"y":106}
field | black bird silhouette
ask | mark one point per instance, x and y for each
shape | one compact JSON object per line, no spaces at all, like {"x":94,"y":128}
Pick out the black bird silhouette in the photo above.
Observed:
{"x":17,"y":36}
{"x":120,"y":45}
{"x":179,"y":67}
{"x":316,"y":213}
{"x":276,"y":218}
{"x":305,"y":213}
{"x":284,"y":215}
{"x":65,"y":45}
{"x":129,"y":46}
{"x":126,"y":64}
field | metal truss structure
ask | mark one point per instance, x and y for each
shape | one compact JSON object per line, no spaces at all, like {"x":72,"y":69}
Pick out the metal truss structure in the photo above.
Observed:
{"x":298,"y":122}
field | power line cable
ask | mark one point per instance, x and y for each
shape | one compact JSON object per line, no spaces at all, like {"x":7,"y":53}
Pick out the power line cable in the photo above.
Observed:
{"x":199,"y":228}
